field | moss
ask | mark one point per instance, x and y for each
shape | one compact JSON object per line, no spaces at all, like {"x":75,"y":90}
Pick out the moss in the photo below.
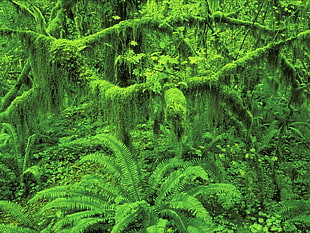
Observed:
{"x":176,"y":111}
{"x":224,"y":18}
{"x":56,"y":24}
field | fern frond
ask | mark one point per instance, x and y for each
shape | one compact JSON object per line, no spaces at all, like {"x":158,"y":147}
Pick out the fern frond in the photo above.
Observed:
{"x":215,"y":169}
{"x":75,"y":218}
{"x":77,"y":203}
{"x":16,"y":229}
{"x":198,"y":225}
{"x":162,"y":169}
{"x":92,"y":186}
{"x":293,"y":208}
{"x":179,"y":219}
{"x":129,"y":169}
{"x":184,"y":201}
{"x":126,"y":214}
{"x":9,"y":128}
{"x":52,"y":193}
{"x":17,"y":212}
{"x":177,"y":179}
{"x":104,"y":161}
{"x":159,"y":227}
{"x":84,"y":224}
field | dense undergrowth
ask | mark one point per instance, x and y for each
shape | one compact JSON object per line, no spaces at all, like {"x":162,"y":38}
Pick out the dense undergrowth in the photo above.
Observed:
{"x":154,"y":116}
{"x":242,"y":190}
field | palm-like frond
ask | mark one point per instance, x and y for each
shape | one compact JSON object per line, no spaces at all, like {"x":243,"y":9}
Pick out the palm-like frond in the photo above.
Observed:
{"x":16,"y":212}
{"x":198,"y":225}
{"x":27,"y":223}
{"x":12,"y":165}
{"x":177,"y":179}
{"x":77,"y":203}
{"x":13,"y":137}
{"x":184,"y":201}
{"x":83,"y":224}
{"x":127,"y":213}
{"x":129,"y":168}
{"x":6,"y":174}
{"x":84,"y":188}
{"x":159,"y":227}
{"x":163,"y":169}
{"x":105,"y":161}
{"x":16,"y":229}
{"x":77,"y":218}
{"x":180,"y":220}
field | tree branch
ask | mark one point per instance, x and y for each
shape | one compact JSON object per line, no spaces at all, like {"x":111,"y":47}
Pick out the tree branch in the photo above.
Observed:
{"x":8,"y":98}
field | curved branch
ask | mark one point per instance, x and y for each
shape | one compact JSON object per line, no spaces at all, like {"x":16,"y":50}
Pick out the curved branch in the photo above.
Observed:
{"x":34,"y":12}
{"x":8,"y":98}
{"x":220,"y":17}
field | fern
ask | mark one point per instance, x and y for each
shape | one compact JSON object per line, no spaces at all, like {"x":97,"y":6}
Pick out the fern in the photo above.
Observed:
{"x":177,"y":179}
{"x":159,"y":227}
{"x":170,"y":195}
{"x":13,"y":164}
{"x":15,"y":211}
{"x":129,"y":169}
{"x":295,"y":211}
{"x":184,"y":201}
{"x":15,"y":229}
{"x":126,"y":214}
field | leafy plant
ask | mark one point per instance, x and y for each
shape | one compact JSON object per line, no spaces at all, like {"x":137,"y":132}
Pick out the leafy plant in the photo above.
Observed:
{"x":170,"y":196}
{"x":14,"y":164}
{"x":24,"y":223}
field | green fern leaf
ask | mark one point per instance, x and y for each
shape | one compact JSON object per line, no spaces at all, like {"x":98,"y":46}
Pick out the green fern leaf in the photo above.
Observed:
{"x":79,"y":203}
{"x":130,"y":174}
{"x":178,"y":179}
{"x":73,"y":219}
{"x":84,"y":224}
{"x":189,"y":203}
{"x":159,"y":227}
{"x":104,"y":161}
{"x":180,"y":220}
{"x":162,"y":169}
{"x":126,"y":214}
{"x":17,"y":212}
{"x":198,"y":225}
{"x":6,"y":173}
{"x":16,"y":229}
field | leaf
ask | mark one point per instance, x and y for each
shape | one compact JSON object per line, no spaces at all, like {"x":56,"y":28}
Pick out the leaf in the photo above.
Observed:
{"x":159,"y":227}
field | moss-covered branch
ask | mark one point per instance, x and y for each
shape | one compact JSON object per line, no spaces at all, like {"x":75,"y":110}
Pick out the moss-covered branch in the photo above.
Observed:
{"x":220,"y":17}
{"x":8,"y":98}
{"x":22,"y":34}
{"x":123,"y":25}
{"x":27,"y":8}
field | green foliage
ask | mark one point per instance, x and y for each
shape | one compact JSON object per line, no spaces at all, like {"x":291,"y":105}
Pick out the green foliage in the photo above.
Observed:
{"x":14,"y":165}
{"x":24,"y":220}
{"x":222,"y":84}
{"x":116,"y":195}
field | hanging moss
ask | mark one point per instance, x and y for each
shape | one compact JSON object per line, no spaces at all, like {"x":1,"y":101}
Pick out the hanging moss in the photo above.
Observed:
{"x":234,"y":103}
{"x":55,"y":26}
{"x":176,"y":111}
{"x":290,"y":77}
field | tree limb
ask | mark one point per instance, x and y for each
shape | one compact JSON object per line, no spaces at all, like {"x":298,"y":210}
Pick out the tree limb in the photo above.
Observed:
{"x":9,"y":97}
